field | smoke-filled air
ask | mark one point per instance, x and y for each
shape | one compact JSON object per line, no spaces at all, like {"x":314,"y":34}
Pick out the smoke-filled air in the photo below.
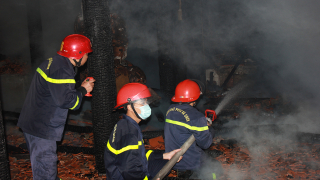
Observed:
{"x":282,"y":36}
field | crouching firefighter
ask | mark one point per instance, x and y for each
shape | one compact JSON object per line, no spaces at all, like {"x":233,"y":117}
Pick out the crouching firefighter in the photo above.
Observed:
{"x":184,"y":120}
{"x":125,"y":156}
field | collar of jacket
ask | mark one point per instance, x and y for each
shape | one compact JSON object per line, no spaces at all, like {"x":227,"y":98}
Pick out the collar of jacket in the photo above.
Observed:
{"x":184,"y":106}
{"x":131,"y":120}
{"x":70,"y":65}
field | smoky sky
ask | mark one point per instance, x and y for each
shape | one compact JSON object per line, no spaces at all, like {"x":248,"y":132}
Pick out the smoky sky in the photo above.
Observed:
{"x":281,"y":35}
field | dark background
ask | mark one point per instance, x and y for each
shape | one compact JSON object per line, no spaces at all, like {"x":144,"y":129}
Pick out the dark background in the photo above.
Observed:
{"x":283,"y":36}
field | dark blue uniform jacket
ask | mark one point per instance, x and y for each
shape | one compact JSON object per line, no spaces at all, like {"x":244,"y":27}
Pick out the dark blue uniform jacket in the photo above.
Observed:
{"x":125,"y":156}
{"x":181,"y":122}
{"x":52,"y":92}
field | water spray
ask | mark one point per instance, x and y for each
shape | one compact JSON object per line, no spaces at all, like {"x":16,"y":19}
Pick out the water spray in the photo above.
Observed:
{"x":230,"y":95}
{"x":180,"y":12}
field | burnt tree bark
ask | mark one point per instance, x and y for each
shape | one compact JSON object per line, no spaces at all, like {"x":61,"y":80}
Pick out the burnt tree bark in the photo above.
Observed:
{"x":4,"y":161}
{"x":101,"y":68}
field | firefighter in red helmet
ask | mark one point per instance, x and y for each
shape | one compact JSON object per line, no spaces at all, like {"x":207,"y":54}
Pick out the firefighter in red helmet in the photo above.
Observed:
{"x":76,"y":47}
{"x":183,"y":120}
{"x":125,"y":156}
{"x":52,"y":92}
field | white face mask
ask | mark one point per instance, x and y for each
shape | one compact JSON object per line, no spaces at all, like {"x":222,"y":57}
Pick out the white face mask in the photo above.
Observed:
{"x":145,"y":112}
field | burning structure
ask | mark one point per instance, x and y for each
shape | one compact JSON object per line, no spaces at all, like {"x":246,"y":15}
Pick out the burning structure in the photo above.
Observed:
{"x":268,"y":131}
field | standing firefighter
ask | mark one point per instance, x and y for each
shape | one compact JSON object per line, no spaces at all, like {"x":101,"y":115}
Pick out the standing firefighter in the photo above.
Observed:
{"x":52,"y":92}
{"x":125,"y":155}
{"x":182,"y":121}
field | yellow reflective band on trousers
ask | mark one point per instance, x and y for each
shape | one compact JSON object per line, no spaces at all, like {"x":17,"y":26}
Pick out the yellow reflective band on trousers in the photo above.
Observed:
{"x":75,"y":104}
{"x":194,"y":128}
{"x":55,"y":81}
{"x":214,"y":176}
{"x":148,"y":154}
{"x":129,"y":147}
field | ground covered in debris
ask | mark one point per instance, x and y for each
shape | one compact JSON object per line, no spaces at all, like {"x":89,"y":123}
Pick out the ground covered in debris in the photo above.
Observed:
{"x":71,"y":166}
{"x":278,"y":163}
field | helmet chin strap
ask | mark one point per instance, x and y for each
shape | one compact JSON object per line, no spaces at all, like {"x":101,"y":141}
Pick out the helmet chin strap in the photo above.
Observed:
{"x":78,"y":64}
{"x":135,"y":112}
{"x":75,"y":70}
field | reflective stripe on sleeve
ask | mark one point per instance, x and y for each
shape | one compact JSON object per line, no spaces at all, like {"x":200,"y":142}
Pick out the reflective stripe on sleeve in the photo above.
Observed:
{"x":75,"y":105}
{"x":129,"y":147}
{"x":194,"y":128}
{"x":148,"y":154}
{"x":214,"y":176}
{"x":55,"y":81}
{"x":145,"y":178}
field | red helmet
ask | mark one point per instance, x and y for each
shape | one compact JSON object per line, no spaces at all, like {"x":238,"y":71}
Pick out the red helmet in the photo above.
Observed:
{"x":131,"y":92}
{"x":75,"y":46}
{"x":187,"y":91}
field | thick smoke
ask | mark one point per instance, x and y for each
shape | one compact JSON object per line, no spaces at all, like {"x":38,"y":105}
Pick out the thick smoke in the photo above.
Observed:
{"x":289,"y":55}
{"x":141,"y":19}
{"x":290,"y":45}
{"x":281,"y":36}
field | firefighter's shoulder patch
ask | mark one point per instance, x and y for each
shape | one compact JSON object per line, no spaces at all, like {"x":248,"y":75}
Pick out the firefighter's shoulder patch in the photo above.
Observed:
{"x":114,"y":133}
{"x":49,"y":63}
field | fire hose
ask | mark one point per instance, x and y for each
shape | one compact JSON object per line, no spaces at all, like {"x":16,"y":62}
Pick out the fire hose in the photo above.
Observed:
{"x":167,"y":167}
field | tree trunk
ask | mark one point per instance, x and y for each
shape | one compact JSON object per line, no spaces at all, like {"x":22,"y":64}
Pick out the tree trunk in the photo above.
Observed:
{"x":101,"y":68}
{"x":4,"y":161}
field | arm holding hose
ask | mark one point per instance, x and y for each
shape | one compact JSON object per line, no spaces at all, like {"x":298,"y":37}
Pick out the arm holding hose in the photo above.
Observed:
{"x":166,"y":168}
{"x":169,"y":155}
